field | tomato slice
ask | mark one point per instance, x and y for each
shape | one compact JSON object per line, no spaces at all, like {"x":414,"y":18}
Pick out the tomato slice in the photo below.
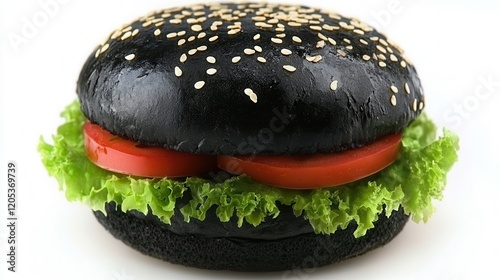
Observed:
{"x":120,"y":155}
{"x":316,"y":171}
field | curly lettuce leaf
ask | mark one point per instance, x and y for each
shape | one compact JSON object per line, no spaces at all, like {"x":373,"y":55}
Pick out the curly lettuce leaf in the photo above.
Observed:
{"x":416,"y":179}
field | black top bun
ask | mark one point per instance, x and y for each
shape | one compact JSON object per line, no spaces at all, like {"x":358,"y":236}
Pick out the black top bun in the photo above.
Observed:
{"x":249,"y":78}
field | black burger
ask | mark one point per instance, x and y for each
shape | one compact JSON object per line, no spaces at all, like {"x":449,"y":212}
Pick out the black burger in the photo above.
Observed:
{"x":249,"y":136}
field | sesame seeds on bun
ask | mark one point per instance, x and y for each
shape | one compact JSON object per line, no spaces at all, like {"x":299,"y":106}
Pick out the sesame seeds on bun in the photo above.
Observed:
{"x":205,"y":78}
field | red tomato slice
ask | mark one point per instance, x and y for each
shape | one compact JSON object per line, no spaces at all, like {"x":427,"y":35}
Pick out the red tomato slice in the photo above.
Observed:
{"x":120,"y":155}
{"x":316,"y":171}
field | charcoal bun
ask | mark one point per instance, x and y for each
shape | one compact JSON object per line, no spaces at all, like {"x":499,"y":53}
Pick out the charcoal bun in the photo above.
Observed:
{"x":150,"y":236}
{"x":249,"y":78}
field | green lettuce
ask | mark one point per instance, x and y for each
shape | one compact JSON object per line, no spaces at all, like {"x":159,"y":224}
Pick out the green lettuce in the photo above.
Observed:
{"x":413,"y":181}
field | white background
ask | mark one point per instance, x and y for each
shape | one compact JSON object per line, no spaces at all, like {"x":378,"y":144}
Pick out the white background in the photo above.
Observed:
{"x":454,"y":45}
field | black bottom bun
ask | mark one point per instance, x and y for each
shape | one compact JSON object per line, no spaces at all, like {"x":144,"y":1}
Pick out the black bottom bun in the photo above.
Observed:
{"x":243,"y":254}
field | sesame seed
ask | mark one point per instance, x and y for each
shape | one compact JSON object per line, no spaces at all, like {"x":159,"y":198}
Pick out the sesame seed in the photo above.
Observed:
{"x":393,"y":58}
{"x":157,"y":32}
{"x":261,"y":59}
{"x":310,"y":58}
{"x":382,"y":64}
{"x":202,"y":35}
{"x":211,"y":71}
{"x":421,"y":105}
{"x":294,"y":24}
{"x":382,"y":57}
{"x":289,"y":68}
{"x":249,"y":92}
{"x":158,"y":24}
{"x":374,"y":38}
{"x":233,"y":31}
{"x":181,"y":33}
{"x":334,"y":84}
{"x":276,"y":40}
{"x":258,"y":18}
{"x":130,"y":56}
{"x":403,"y":63}
{"x":316,"y":27}
{"x":116,"y":34}
{"x":248,"y":51}
{"x":178,"y":71}
{"x":331,"y":41}
{"x":407,"y":88}
{"x":281,"y":35}
{"x":202,"y":48}
{"x":213,"y":38}
{"x":199,"y":84}
{"x":296,"y":39}
{"x":175,"y":21}
{"x":347,"y":41}
{"x":258,"y":48}
{"x":147,"y":23}
{"x":328,"y":27}
{"x":393,"y":100}
{"x":236,"y":59}
{"x":358,"y":31}
{"x":366,"y":57}
{"x":286,"y":52}
{"x":192,"y":51}
{"x":104,"y":48}
{"x":171,"y":35}
{"x":341,"y":52}
{"x":191,"y":38}
{"x":128,"y":28}
{"x":183,"y":58}
{"x":181,"y":42}
{"x":320,"y":44}
{"x":211,"y":59}
{"x":346,"y":26}
{"x":273,"y":21}
{"x":263,"y":25}
{"x":97,"y":53}
{"x":394,"y":89}
{"x":383,"y":42}
{"x":414,"y":107}
{"x":362,"y":41}
{"x":317,"y":58}
{"x":301,"y":20}
{"x":322,"y":37}
{"x":135,"y":32}
{"x":196,"y":28}
{"x":334,"y":15}
{"x":256,"y":37}
{"x":127,"y":35}
{"x":381,"y":49}
{"x":213,"y":27}
{"x":349,"y":47}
